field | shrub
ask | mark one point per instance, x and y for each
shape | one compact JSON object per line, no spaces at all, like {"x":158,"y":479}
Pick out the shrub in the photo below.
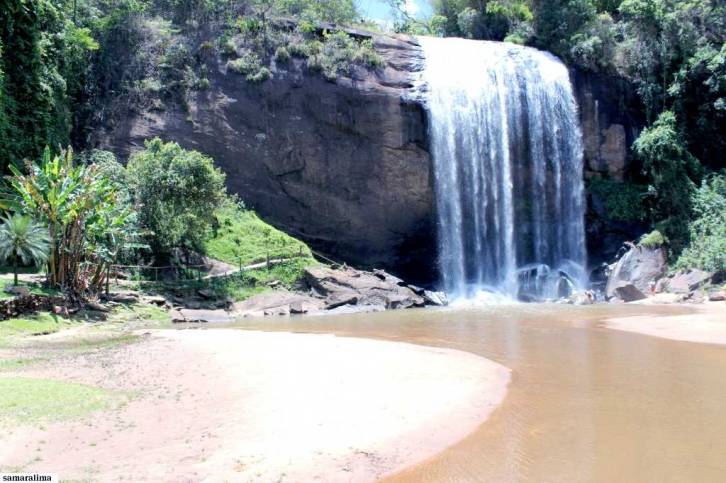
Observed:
{"x":340,"y":52}
{"x":670,"y":169}
{"x":251,"y":67}
{"x":707,"y":246}
{"x":282,"y":55}
{"x":654,"y":239}
{"x":623,"y":201}
{"x":260,"y":76}
{"x":177,"y":193}
{"x":247,"y":64}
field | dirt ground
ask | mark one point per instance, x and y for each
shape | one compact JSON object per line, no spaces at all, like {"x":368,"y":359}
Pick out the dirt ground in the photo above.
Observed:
{"x":233,"y":405}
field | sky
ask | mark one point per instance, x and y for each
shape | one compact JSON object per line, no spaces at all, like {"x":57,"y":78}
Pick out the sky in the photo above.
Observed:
{"x":380,"y":10}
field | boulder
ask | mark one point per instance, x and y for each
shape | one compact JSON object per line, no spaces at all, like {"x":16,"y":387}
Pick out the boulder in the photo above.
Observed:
{"x":348,"y":286}
{"x":155,"y":300}
{"x":628,"y":292}
{"x":716,"y":295}
{"x":640,"y":266}
{"x":688,"y":280}
{"x":435,"y":298}
{"x":177,"y":316}
{"x":211,"y":316}
{"x":98,"y":307}
{"x":277,"y":302}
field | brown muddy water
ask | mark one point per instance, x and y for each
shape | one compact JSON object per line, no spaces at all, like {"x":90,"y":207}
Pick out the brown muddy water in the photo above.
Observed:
{"x":586,"y":403}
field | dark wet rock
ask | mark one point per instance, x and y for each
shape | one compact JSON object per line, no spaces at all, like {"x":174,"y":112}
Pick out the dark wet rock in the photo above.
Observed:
{"x":343,"y":165}
{"x":338,"y":299}
{"x":640,"y":267}
{"x":628,"y":292}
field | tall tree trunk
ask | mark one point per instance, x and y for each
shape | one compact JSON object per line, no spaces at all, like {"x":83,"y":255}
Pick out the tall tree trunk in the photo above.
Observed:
{"x":15,"y":270}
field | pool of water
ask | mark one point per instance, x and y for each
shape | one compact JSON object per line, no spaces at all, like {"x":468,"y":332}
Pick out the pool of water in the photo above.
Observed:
{"x":586,"y":403}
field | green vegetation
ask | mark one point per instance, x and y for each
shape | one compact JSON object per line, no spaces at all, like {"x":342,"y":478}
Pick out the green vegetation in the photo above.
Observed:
{"x":176,"y":192}
{"x":707,"y":230}
{"x":85,"y":218}
{"x":623,"y":201}
{"x":338,"y":54}
{"x":654,"y":239}
{"x":21,"y":239}
{"x":241,"y":238}
{"x":33,"y":287}
{"x":670,"y":168}
{"x":40,"y":324}
{"x":28,"y":401}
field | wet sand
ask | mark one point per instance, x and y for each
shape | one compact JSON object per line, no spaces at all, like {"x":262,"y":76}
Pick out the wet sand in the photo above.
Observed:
{"x":216,"y":405}
{"x":707,"y":324}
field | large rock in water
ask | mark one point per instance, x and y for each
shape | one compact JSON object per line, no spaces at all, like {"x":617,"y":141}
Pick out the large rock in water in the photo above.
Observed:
{"x":639,"y":267}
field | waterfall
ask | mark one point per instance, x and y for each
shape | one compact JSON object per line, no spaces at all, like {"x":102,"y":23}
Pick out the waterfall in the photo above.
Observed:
{"x":507,"y":155}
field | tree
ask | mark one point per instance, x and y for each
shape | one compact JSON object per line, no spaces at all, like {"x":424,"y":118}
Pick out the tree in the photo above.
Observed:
{"x":671,"y":171}
{"x":22,"y":239}
{"x":707,"y":247}
{"x":177,"y":193}
{"x":73,"y":200}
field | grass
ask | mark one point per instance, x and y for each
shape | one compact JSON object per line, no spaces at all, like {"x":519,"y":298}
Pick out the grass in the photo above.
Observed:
{"x":243,"y":238}
{"x":28,"y":400}
{"x":35,"y":288}
{"x":150,"y":315}
{"x":14,"y":364}
{"x":40,"y":324}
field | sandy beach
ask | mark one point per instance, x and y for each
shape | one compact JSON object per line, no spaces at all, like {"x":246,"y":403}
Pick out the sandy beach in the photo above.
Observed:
{"x":707,"y":324}
{"x":223,"y":404}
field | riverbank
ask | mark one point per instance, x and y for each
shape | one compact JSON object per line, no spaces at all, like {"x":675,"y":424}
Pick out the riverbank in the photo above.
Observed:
{"x":707,"y":324}
{"x":240,"y":405}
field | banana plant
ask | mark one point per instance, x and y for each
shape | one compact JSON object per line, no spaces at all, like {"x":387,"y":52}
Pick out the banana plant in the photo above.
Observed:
{"x":76,"y":203}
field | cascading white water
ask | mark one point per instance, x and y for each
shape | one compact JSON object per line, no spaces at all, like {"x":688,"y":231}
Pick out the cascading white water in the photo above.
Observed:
{"x":507,"y":154}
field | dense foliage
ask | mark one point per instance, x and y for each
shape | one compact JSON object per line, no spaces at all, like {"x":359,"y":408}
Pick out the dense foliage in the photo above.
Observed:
{"x":707,"y":230}
{"x":81,"y":210}
{"x":177,"y":192}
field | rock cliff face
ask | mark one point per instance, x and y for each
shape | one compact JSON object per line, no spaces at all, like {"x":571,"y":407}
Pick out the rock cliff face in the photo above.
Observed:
{"x":611,"y":119}
{"x":345,"y":165}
